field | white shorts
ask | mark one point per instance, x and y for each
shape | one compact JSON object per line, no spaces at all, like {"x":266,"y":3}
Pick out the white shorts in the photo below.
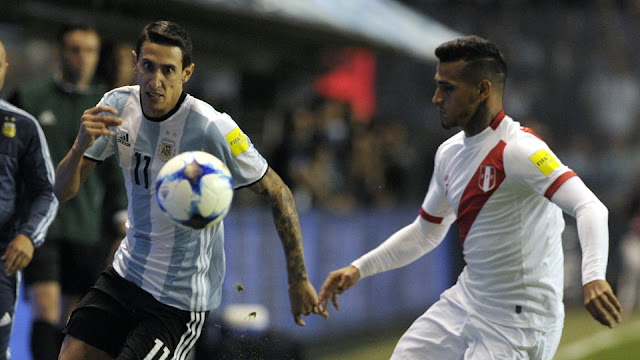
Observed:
{"x":450,"y":332}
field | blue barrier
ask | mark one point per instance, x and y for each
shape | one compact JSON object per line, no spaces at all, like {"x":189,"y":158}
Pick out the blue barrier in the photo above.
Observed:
{"x":255,"y":259}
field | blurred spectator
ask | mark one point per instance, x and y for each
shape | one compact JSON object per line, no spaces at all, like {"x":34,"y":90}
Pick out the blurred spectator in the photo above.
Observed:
{"x":116,"y":64}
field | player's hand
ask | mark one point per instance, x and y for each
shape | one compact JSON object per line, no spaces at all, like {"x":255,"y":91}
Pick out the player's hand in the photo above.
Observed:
{"x":94,"y":123}
{"x":337,"y":282}
{"x":18,"y":254}
{"x":601,"y":303}
{"x":304,"y":300}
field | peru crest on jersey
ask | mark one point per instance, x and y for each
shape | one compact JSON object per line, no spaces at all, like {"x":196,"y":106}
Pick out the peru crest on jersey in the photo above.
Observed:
{"x":487,"y":178}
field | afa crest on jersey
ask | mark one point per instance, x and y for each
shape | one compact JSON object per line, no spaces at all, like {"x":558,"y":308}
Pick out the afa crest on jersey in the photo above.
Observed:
{"x":9,"y":128}
{"x":166,"y":149}
{"x":487,"y":178}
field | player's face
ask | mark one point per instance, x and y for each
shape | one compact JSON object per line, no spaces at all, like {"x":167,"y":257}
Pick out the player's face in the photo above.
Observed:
{"x":3,"y":65}
{"x":80,"y":54}
{"x":161,"y":77}
{"x":456,"y":98}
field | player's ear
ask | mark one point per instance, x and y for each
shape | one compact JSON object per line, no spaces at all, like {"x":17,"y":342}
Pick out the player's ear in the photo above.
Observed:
{"x":134,"y":60}
{"x":187,"y":72}
{"x":484,"y":88}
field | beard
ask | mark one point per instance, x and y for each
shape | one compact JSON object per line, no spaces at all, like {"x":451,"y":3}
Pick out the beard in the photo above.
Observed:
{"x":478,"y":120}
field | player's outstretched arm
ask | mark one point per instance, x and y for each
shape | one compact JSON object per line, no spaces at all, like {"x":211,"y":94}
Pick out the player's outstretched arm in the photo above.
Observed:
{"x":73,"y":169}
{"x":336,"y":283}
{"x":602,"y":303}
{"x":302,"y":294}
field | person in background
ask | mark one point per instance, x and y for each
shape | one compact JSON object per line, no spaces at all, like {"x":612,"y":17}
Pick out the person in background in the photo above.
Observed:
{"x":71,"y":259}
{"x":115,"y":69}
{"x":506,"y":190}
{"x":27,"y":203}
{"x":165,"y":279}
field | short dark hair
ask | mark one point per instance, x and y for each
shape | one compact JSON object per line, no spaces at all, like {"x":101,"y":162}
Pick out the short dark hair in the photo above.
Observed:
{"x":164,"y":32}
{"x":71,"y":27}
{"x":484,"y":59}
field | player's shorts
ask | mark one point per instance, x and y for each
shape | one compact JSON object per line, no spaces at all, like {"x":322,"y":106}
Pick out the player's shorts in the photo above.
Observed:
{"x":75,"y":266}
{"x":127,"y":322}
{"x":449,"y":331}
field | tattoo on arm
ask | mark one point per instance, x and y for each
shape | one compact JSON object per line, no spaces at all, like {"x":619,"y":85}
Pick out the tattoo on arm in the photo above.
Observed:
{"x":285,"y":216}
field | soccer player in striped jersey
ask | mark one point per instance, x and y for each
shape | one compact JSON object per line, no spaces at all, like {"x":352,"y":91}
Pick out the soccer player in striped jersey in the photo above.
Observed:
{"x":506,"y":190}
{"x":165,"y":279}
{"x":27,"y":203}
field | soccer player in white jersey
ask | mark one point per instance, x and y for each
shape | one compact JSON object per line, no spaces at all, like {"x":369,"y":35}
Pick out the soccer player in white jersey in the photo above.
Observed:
{"x":165,"y":279}
{"x":506,"y":190}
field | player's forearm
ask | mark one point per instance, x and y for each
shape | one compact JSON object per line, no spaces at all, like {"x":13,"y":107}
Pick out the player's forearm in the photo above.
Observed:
{"x":287,"y":223}
{"x":592,"y":216}
{"x":593,"y":232}
{"x":402,"y":248}
{"x":68,"y":175}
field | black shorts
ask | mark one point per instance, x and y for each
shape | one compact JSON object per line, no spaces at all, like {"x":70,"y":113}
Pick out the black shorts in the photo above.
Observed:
{"x":75,"y":266}
{"x":125,"y":321}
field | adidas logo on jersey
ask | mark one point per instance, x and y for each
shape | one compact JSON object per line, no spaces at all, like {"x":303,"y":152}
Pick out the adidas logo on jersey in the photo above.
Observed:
{"x":124,"y":139}
{"x":5,"y":319}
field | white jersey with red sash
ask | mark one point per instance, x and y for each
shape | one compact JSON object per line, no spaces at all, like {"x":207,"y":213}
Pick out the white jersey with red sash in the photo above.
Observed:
{"x":496,"y":185}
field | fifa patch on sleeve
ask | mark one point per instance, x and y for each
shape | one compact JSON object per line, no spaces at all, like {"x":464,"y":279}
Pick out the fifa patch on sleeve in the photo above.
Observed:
{"x":545,"y":162}
{"x":237,"y":141}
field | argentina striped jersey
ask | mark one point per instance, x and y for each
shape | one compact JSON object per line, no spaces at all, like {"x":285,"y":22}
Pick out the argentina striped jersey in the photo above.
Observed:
{"x":180,"y":267}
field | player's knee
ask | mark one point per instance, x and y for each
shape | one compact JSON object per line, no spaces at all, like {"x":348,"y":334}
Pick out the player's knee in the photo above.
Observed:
{"x":45,"y":301}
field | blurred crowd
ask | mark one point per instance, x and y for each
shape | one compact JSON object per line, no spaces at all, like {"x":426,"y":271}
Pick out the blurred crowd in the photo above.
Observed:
{"x":335,"y":161}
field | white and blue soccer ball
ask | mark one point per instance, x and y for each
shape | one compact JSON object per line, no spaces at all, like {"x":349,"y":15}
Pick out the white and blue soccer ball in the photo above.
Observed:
{"x":194,"y":189}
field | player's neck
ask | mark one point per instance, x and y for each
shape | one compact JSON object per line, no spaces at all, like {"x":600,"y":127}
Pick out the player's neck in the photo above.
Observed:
{"x":482,"y":119}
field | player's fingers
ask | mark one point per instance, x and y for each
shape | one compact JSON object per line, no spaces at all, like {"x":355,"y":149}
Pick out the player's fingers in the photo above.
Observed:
{"x":614,"y":300}
{"x":318,"y":310}
{"x":102,"y":121}
{"x":10,"y":265}
{"x":326,"y":289}
{"x":298,"y":320}
{"x":323,"y":303}
{"x":597,"y":312}
{"x":612,"y":306}
{"x":344,"y":283}
{"x":100,"y":109}
{"x":334,"y":300}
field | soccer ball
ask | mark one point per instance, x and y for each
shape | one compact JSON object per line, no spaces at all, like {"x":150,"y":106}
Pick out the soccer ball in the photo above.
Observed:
{"x":194,"y":189}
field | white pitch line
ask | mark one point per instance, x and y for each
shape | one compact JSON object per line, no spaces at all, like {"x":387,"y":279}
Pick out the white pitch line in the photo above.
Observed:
{"x":598,"y":341}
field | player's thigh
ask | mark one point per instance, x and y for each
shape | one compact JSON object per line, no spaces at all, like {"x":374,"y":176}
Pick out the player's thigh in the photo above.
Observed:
{"x":101,"y":322}
{"x":73,"y":348}
{"x":8,"y":297}
{"x":547,"y":344}
{"x":45,"y":299}
{"x":166,"y":335}
{"x":488,"y":340}
{"x":437,"y":334}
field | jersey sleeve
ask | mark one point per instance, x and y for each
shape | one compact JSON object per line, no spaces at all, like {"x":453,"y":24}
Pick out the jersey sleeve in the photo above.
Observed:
{"x":435,"y":206}
{"x":530,"y":163}
{"x":38,"y":171}
{"x":234,"y":147}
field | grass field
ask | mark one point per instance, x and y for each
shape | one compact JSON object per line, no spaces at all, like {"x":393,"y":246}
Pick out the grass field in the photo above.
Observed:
{"x":583,"y":339}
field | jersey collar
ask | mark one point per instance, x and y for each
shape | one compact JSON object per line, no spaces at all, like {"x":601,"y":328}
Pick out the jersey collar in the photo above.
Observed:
{"x":497,"y":120}
{"x":170,"y":113}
